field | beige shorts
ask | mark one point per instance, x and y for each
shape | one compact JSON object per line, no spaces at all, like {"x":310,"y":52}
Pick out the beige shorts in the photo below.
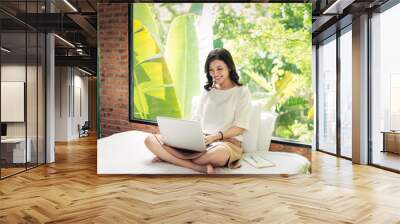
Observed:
{"x":235,"y":152}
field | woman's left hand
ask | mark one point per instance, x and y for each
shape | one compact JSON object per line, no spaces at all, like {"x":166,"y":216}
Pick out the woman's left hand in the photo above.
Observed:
{"x":210,"y":139}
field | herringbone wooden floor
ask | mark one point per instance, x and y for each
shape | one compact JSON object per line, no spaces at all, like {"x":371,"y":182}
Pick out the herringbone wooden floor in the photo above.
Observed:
{"x":69,"y":191}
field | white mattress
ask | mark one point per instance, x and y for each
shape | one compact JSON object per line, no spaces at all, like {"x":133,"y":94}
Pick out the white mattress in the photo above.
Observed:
{"x":125,"y":153}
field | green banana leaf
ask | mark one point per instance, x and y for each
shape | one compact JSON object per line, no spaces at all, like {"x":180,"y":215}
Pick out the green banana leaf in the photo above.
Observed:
{"x":153,"y":90}
{"x":142,"y":12}
{"x":182,"y":57}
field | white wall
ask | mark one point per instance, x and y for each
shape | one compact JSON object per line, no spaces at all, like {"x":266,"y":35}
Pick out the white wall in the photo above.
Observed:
{"x":81,"y":89}
{"x":70,"y":84}
{"x":13,"y":72}
{"x":12,"y":101}
{"x":33,"y":126}
{"x":61,"y":103}
{"x":16,"y":73}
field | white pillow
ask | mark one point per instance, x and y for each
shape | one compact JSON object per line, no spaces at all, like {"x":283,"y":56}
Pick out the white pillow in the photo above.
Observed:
{"x":195,"y":102}
{"x":267,"y":126}
{"x":250,"y":137}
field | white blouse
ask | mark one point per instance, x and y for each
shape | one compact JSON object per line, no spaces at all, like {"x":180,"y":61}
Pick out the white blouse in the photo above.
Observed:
{"x":219,"y":110}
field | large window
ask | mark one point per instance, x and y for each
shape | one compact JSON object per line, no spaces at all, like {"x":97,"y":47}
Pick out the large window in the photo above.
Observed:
{"x":327,"y":95}
{"x":385,"y":88}
{"x":22,"y":78}
{"x":346,"y":92}
{"x":335,"y":137}
{"x":270,"y":43}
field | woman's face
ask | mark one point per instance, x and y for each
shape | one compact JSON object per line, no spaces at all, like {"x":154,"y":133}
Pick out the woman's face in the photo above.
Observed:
{"x":219,"y":71}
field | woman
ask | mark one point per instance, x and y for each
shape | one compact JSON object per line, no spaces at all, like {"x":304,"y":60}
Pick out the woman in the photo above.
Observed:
{"x":224,"y":112}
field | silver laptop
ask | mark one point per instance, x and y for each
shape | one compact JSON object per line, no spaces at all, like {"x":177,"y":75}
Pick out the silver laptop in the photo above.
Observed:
{"x":183,"y":134}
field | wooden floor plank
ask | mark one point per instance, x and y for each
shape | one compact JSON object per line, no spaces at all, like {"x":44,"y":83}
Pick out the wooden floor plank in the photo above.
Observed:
{"x":70,"y":191}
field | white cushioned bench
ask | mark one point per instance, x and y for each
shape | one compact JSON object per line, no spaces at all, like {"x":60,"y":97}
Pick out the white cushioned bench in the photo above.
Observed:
{"x":125,"y":153}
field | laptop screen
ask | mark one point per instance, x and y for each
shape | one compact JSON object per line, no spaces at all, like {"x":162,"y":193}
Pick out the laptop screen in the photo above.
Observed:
{"x":3,"y":129}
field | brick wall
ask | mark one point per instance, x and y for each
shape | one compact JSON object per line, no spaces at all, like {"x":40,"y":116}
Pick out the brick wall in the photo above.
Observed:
{"x":114,"y":70}
{"x":306,"y":152}
{"x":114,"y":76}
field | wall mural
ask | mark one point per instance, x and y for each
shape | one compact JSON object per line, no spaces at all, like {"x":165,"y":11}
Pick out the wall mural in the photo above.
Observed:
{"x":270,"y":43}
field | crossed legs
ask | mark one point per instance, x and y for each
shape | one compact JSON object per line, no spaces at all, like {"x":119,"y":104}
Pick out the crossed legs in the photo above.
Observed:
{"x":217,"y":156}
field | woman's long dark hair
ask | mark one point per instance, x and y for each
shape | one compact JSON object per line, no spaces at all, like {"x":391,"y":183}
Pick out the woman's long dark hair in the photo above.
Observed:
{"x":223,"y":55}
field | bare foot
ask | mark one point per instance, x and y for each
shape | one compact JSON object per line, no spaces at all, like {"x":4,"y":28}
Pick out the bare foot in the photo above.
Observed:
{"x":207,"y":169}
{"x":156,"y":159}
{"x":210,"y":169}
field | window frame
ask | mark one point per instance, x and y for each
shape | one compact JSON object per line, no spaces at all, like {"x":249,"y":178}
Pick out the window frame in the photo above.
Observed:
{"x":333,"y":33}
{"x":131,"y":117}
{"x":381,"y":9}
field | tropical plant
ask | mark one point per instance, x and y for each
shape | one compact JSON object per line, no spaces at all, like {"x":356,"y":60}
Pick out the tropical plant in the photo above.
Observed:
{"x":270,"y":43}
{"x":182,"y":57}
{"x":153,"y":90}
{"x":172,"y":76}
{"x":273,"y":51}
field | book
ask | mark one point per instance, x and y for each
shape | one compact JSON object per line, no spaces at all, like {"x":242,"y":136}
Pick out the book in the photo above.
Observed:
{"x":257,"y":161}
